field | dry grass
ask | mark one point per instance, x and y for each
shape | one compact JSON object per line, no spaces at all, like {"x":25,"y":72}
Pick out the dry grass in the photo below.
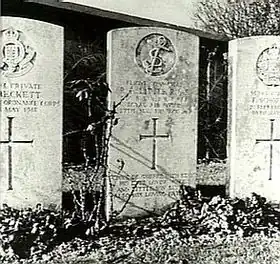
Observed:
{"x":167,"y":248}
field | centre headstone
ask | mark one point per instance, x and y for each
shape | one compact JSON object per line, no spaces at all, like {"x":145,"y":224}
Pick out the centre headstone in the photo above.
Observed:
{"x":254,"y":117}
{"x":153,"y":75}
{"x":31,"y":112}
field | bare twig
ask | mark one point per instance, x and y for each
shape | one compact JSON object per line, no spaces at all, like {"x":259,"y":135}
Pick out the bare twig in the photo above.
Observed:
{"x":241,"y":18}
{"x":128,"y":199}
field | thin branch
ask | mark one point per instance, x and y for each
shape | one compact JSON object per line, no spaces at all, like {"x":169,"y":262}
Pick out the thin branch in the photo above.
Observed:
{"x":122,"y":99}
{"x":77,"y":63}
{"x":128,"y":199}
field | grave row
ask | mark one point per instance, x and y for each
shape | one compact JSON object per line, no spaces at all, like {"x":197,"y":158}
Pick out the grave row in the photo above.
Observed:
{"x":154,"y":72}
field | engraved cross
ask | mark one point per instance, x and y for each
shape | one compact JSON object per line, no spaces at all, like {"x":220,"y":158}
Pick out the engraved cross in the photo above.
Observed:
{"x":10,"y":142}
{"x":271,"y":141}
{"x":154,"y":136}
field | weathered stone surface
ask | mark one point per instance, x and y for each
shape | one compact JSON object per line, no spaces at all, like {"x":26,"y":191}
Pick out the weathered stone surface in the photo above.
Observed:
{"x":31,"y":112}
{"x":254,"y":117}
{"x":154,"y":72}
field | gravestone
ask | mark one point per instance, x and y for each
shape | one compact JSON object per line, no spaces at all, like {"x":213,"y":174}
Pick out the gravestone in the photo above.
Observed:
{"x":31,"y":112}
{"x":153,"y":75}
{"x":254,"y":117}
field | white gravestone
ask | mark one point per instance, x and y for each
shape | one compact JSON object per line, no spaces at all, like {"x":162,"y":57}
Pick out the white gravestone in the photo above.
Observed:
{"x":254,"y":117}
{"x":31,"y":88}
{"x":154,"y":72}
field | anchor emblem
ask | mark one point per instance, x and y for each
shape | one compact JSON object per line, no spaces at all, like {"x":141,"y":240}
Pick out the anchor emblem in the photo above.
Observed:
{"x":155,"y":54}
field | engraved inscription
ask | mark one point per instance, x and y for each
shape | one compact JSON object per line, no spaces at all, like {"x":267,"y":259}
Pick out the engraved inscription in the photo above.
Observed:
{"x":155,"y":54}
{"x":23,"y":97}
{"x":150,"y":185}
{"x":264,"y":103}
{"x":156,"y":97}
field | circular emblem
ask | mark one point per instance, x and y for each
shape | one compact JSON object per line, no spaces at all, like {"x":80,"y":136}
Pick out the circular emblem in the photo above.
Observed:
{"x":17,"y":57}
{"x":155,"y":54}
{"x":268,"y":66}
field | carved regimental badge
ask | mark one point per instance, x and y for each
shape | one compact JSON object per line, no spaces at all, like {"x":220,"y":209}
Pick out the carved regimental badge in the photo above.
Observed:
{"x":155,"y":54}
{"x":17,"y":57}
{"x":268,"y":66}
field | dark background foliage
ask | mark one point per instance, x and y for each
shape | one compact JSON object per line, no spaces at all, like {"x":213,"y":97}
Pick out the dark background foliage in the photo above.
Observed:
{"x":212,"y":109}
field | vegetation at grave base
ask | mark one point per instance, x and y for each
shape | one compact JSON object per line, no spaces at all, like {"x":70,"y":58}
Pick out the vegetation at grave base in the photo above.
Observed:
{"x":166,"y":247}
{"x":191,"y":227}
{"x":242,"y":18}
